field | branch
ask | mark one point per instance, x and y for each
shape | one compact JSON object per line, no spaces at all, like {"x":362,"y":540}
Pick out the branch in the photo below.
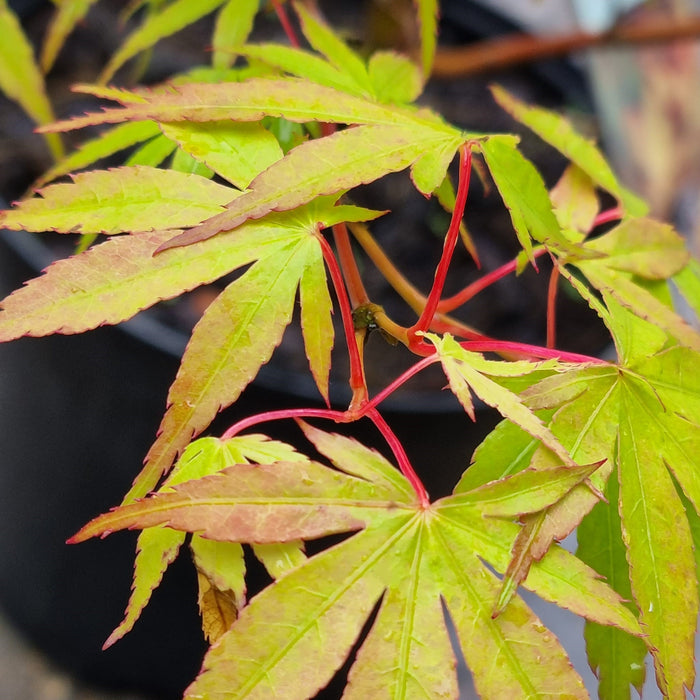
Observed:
{"x":515,"y":49}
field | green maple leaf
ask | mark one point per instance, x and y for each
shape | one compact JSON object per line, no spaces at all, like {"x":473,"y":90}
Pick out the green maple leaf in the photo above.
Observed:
{"x":523,"y":191}
{"x":20,"y":77}
{"x":644,"y":419}
{"x":405,"y":558}
{"x":558,"y":132}
{"x":387,"y":76}
{"x":64,"y":20}
{"x":630,"y":265}
{"x":172,"y":18}
{"x":386,"y":139}
{"x":135,"y":198}
{"x":234,"y":23}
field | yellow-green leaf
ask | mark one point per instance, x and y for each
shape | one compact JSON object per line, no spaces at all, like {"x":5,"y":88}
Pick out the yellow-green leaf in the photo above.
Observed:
{"x":175,"y":16}
{"x":20,"y":77}
{"x":329,"y":165}
{"x":237,"y":152}
{"x":136,"y":198}
{"x":557,"y":131}
{"x":68,"y":14}
{"x":234,"y":23}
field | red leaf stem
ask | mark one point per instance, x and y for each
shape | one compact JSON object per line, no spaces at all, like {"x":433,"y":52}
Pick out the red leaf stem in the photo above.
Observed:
{"x":431,"y":306}
{"x":404,"y":463}
{"x":447,"y":305}
{"x":401,"y":379}
{"x":529,"y":351}
{"x":281,"y":414}
{"x":286,"y":23}
{"x":607,"y":216}
{"x":357,"y":374}
{"x":552,"y":307}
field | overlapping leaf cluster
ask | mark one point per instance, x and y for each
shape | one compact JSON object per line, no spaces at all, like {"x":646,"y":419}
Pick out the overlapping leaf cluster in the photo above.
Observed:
{"x":252,"y":181}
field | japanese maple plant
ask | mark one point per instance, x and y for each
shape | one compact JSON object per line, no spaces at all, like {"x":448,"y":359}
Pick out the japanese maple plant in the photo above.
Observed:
{"x":274,"y":138}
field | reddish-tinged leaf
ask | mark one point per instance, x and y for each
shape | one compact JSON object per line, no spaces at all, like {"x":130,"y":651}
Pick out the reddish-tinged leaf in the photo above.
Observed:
{"x":175,"y":16}
{"x":316,"y":612}
{"x":264,"y":503}
{"x":157,"y":547}
{"x":415,"y":557}
{"x":324,"y":166}
{"x":234,"y":23}
{"x":237,"y":334}
{"x":122,"y":199}
{"x":249,"y":101}
{"x":115,"y":280}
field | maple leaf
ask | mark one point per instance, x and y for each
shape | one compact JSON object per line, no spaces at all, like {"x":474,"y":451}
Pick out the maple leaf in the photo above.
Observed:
{"x":122,"y":199}
{"x":220,"y":565}
{"x":406,"y":559}
{"x":523,"y":191}
{"x":125,"y":276}
{"x":643,"y":417}
{"x":559,"y":133}
{"x":228,"y":345}
{"x":168,"y":20}
{"x":64,"y":20}
{"x":20,"y":77}
{"x":630,"y":265}
{"x":234,"y":23}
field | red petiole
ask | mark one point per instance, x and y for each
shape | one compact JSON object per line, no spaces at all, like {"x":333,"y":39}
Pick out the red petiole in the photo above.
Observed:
{"x":450,"y":303}
{"x":286,"y":23}
{"x":431,"y":306}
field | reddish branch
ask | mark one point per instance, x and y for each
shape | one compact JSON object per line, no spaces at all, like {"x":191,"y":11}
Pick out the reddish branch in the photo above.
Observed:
{"x":357,"y":374}
{"x":515,"y":49}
